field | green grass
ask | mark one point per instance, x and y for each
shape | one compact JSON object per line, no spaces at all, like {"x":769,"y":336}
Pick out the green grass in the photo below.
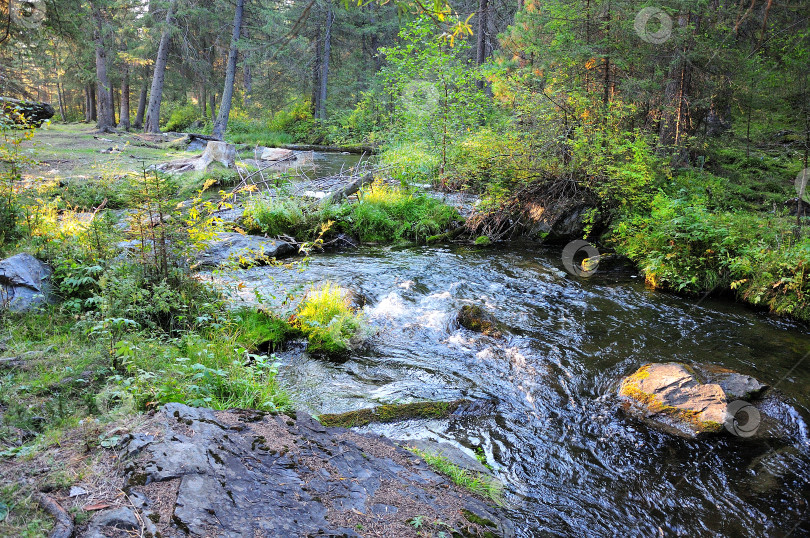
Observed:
{"x":20,"y":515}
{"x":326,"y":318}
{"x":485,"y":486}
{"x":261,"y":330}
{"x":382,"y":214}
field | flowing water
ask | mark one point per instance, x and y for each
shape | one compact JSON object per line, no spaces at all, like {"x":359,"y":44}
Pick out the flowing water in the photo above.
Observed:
{"x":548,"y":422}
{"x":571,"y":464}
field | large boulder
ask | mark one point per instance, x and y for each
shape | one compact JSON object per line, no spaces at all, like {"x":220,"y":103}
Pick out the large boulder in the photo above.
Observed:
{"x":475,"y":318}
{"x":25,"y":112}
{"x":243,"y":249}
{"x":24,"y":283}
{"x":277,"y":154}
{"x":689,"y":401}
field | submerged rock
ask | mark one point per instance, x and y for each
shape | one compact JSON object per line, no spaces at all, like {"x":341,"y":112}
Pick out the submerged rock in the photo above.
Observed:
{"x":243,"y":249}
{"x":24,"y":283}
{"x":475,"y":318}
{"x":249,"y":473}
{"x":690,"y":401}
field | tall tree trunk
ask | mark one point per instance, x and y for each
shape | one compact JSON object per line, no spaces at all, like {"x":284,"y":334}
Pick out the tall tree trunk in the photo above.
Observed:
{"x":230,"y":73}
{"x":141,"y":105}
{"x":93,"y":105}
{"x":327,"y":48}
{"x":59,"y":94}
{"x":316,"y":75}
{"x":247,"y":74}
{"x":203,"y":100}
{"x":123,"y":120}
{"x":156,"y":92}
{"x":212,"y":104}
{"x":483,"y":28}
{"x":106,"y":119}
{"x":112,"y":101}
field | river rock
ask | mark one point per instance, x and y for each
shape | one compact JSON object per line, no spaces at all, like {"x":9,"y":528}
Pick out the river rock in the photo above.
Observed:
{"x":250,"y":473}
{"x":243,"y":249}
{"x":24,"y":283}
{"x":276,"y":154}
{"x":475,"y":318}
{"x":688,"y":401}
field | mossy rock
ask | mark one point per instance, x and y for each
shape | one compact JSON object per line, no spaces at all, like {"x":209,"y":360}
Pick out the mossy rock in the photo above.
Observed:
{"x":671,"y":397}
{"x":391,"y":413}
{"x":475,"y":318}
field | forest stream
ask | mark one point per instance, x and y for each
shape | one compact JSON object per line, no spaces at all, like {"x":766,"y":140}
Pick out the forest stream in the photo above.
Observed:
{"x":548,"y":423}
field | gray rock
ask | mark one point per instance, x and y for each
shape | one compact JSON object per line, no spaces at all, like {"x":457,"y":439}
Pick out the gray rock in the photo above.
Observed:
{"x":739,"y":386}
{"x":248,"y":473}
{"x":243,"y":249}
{"x":24,"y":283}
{"x":119,"y":518}
{"x":276,"y":154}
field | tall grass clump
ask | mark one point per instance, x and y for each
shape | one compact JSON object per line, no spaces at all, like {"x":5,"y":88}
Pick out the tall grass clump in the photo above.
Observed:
{"x":386,"y":213}
{"x":326,"y":318}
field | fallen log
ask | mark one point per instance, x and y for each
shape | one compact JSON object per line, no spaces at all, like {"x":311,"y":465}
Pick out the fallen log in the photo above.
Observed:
{"x":63,"y":528}
{"x":339,"y":195}
{"x":330,"y":149}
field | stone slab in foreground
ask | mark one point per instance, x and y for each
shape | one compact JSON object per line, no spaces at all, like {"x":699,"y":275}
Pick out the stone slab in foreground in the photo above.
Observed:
{"x":198,"y":472}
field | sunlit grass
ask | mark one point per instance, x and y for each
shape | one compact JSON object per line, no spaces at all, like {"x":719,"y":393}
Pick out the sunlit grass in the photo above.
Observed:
{"x":327,"y":319}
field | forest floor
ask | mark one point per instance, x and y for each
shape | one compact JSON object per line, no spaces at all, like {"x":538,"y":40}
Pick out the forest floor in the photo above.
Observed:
{"x":76,"y":151}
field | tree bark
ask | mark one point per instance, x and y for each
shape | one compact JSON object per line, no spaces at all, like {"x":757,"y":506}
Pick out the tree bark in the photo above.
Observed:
{"x":106,"y":119}
{"x":482,"y":48}
{"x":230,"y":73}
{"x":141,"y":105}
{"x":123,"y":119}
{"x":90,"y":112}
{"x":156,"y":92}
{"x":327,"y":48}
{"x":247,"y":74}
{"x":316,"y":73}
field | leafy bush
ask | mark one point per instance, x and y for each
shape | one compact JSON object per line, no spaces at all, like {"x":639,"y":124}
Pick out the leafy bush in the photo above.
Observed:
{"x":683,"y":246}
{"x":326,"y":318}
{"x":178,"y":302}
{"x":411,"y":163}
{"x":182,"y":117}
{"x":259,"y":331}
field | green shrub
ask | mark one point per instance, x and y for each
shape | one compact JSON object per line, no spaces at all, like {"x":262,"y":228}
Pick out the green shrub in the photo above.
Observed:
{"x":331,"y":325}
{"x":685,"y":247}
{"x":207,"y":370}
{"x":182,"y":117}
{"x":178,"y":302}
{"x":386,"y":213}
{"x":294,"y":217}
{"x":411,"y":163}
